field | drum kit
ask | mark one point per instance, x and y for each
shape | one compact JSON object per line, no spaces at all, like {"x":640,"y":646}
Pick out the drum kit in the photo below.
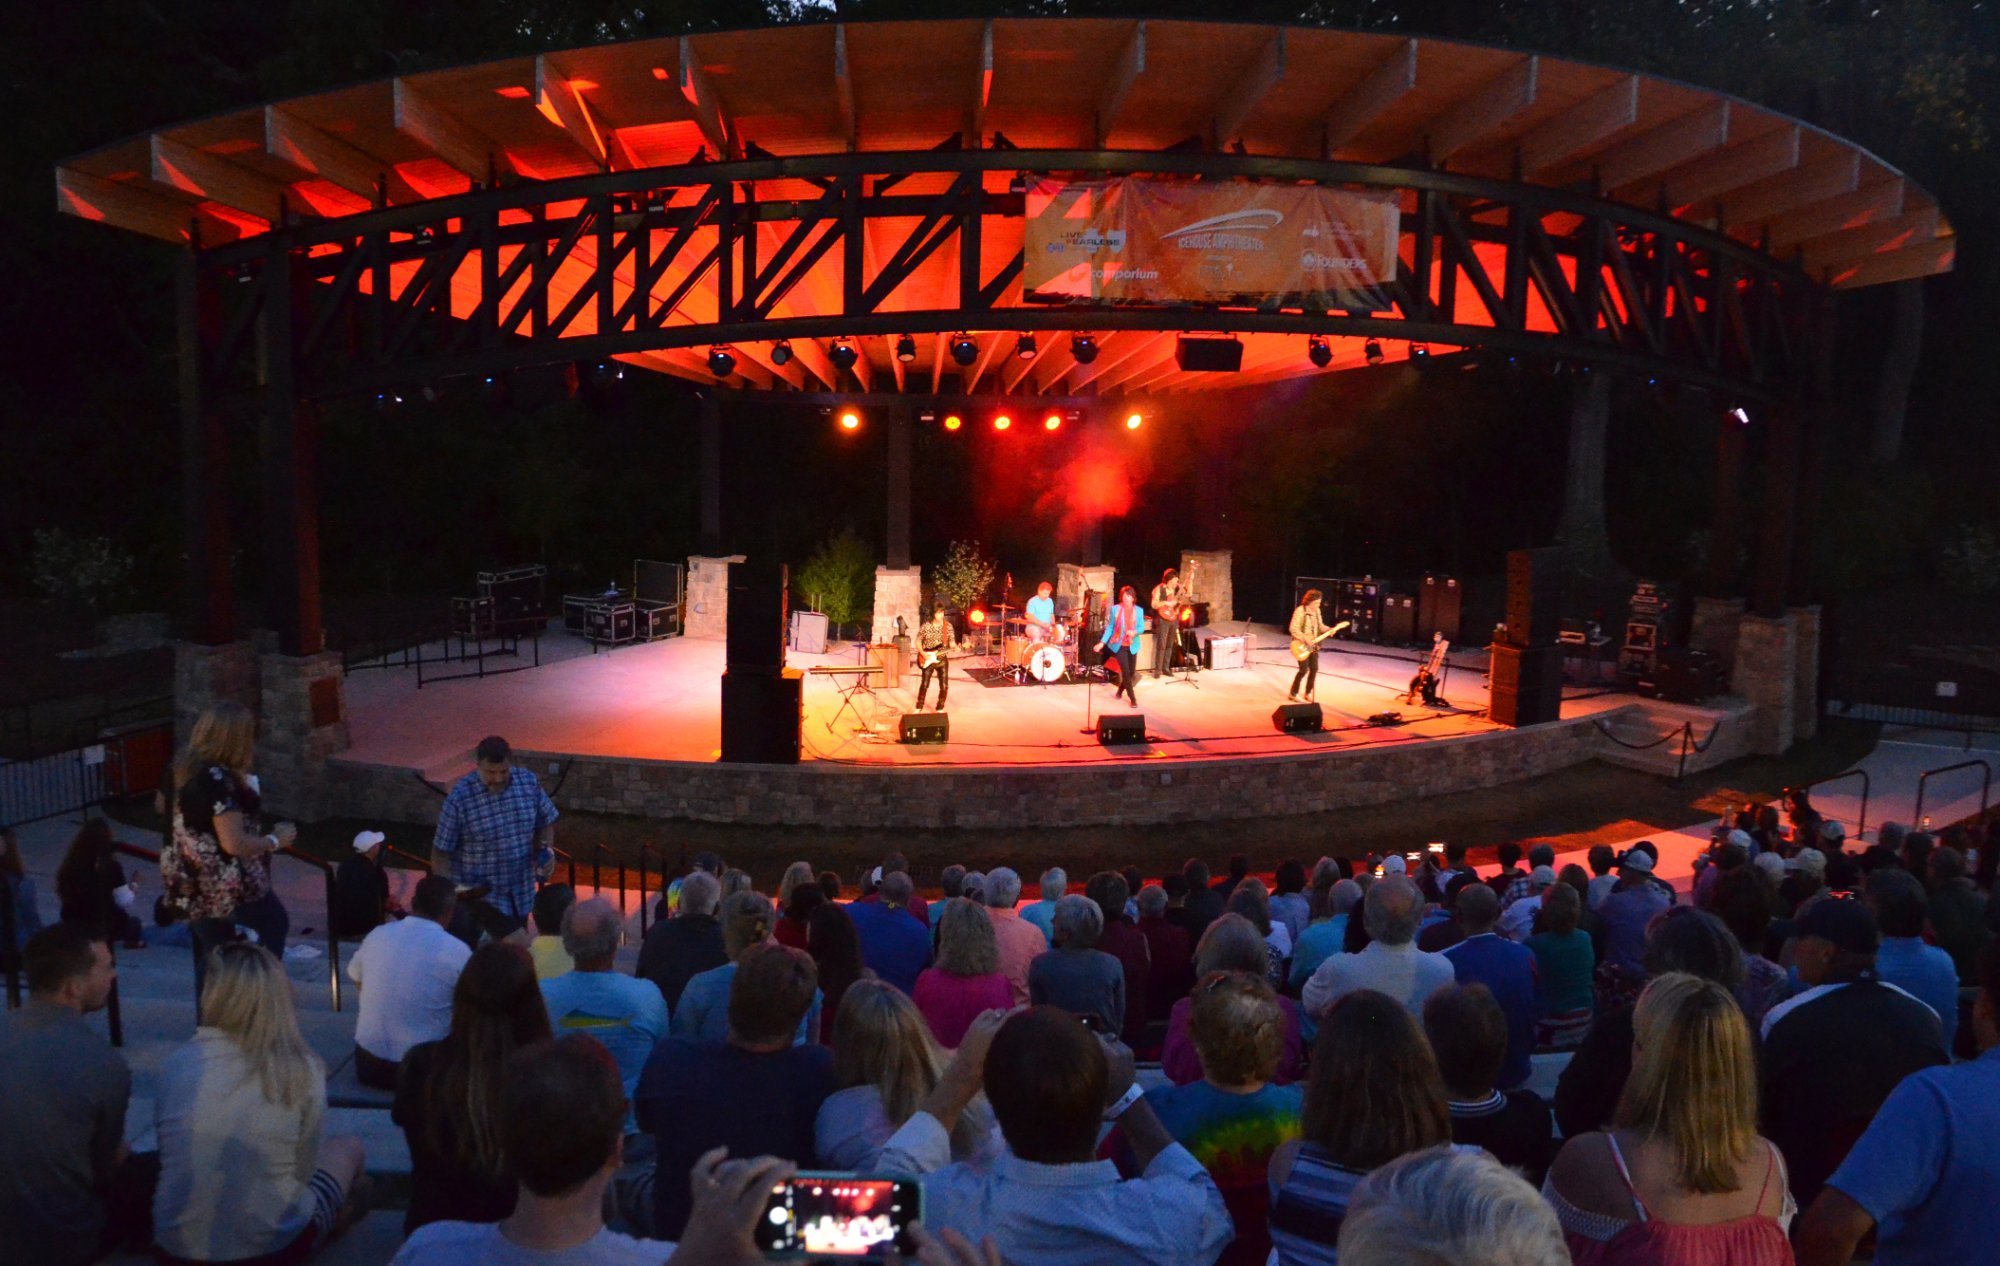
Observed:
{"x":1044,"y":653}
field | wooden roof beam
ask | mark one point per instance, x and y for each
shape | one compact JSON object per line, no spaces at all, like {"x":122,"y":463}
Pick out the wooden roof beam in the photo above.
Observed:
{"x":1598,"y":117}
{"x":1882,"y":200}
{"x":1770,"y":199}
{"x":1849,"y":246}
{"x":1665,"y":147}
{"x":298,"y":144}
{"x":1257,"y":82}
{"x":988,"y":346}
{"x":809,"y":353}
{"x":702,"y":99}
{"x":1925,"y":260}
{"x":1771,"y":154}
{"x":864,"y":371}
{"x":982,"y":89}
{"x":1125,"y":72}
{"x":843,"y":90}
{"x":437,"y":129}
{"x":216,"y":179}
{"x":561,"y":104}
{"x":1486,"y":111}
{"x":123,"y":204}
{"x":760,"y":353}
{"x":1391,"y":81}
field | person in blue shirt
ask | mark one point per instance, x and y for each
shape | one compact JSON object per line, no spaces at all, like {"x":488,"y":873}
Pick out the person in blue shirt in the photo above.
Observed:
{"x":1122,"y":630}
{"x":1509,"y":970}
{"x":1925,"y":1175}
{"x":1925,"y":972}
{"x":1041,"y":612}
{"x":498,"y":828}
{"x":894,"y":946}
{"x":1055,"y":882}
{"x":625,"y":1013}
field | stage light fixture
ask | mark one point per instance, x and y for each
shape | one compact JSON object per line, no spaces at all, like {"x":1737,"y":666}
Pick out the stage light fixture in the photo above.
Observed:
{"x":721,"y":361}
{"x":1053,"y":422}
{"x":976,"y":616}
{"x":1134,"y":421}
{"x":964,"y":350}
{"x":843,"y":355}
{"x":1740,"y":416}
{"x":781,"y":352}
{"x":1025,"y":349}
{"x":850,"y":420}
{"x":1372,"y":349}
{"x":906,"y":349}
{"x":1001,"y":422}
{"x":1420,"y":351}
{"x":1319,"y":353}
{"x":1084,"y":348}
{"x":952,"y":422}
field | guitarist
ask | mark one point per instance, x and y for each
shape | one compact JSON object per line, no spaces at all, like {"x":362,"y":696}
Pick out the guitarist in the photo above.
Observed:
{"x":935,"y":641}
{"x":1168,"y":597}
{"x":1307,"y":633}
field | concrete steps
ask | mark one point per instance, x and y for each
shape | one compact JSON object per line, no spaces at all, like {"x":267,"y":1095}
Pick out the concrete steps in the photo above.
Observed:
{"x":1647,"y":735}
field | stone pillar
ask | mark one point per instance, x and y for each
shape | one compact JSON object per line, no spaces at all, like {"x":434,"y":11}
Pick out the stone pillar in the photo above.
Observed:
{"x":1714,"y":629}
{"x":899,"y":594}
{"x":1805,"y":663}
{"x":207,"y":675}
{"x":1207,"y":576}
{"x":708,"y":595}
{"x":1767,"y":675}
{"x":303,"y":721}
{"x":1072,"y":579}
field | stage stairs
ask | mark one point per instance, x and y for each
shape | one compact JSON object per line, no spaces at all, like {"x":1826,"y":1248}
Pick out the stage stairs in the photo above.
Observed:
{"x":1650,"y":734}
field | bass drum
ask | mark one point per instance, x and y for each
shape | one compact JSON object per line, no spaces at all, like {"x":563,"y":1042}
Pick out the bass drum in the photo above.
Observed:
{"x":1046,"y":662}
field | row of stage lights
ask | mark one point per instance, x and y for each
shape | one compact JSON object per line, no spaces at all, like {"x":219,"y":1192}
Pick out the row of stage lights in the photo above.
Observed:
{"x":963,"y":347}
{"x":1054,"y":420}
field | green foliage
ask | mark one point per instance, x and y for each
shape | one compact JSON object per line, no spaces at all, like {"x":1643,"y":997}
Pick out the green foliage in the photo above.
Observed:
{"x":91,"y":571}
{"x":1970,"y":560}
{"x":964,"y":576}
{"x":839,"y":579}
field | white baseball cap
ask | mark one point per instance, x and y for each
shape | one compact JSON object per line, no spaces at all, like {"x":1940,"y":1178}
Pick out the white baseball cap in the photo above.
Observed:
{"x":365,"y":840}
{"x":1394,"y":864}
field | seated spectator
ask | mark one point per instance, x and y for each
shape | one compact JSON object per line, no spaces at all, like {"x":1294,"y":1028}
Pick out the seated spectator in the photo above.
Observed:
{"x":1239,"y":869}
{"x":797,"y":875}
{"x":829,"y":884}
{"x":756,"y":1093}
{"x":1234,"y":1118}
{"x":1627,"y":910}
{"x":1741,"y":901}
{"x":965,"y":980}
{"x":1077,"y":976}
{"x":703,"y":1012}
{"x":835,"y":949}
{"x":951,"y":880}
{"x":1374,"y":1095}
{"x":1689,"y":941}
{"x":734,"y":881}
{"x":1321,"y":940}
{"x":1517,"y":923}
{"x":1525,"y":886}
{"x":1956,"y":910}
{"x":795,"y":916}
{"x":1683,"y":1176}
{"x":1440,"y":929}
{"x":625,"y":1014}
{"x":1169,"y":955}
{"x":406,"y":972}
{"x":884,"y":1063}
{"x":1054,"y":887}
{"x":895,"y":863}
{"x":92,"y":888}
{"x":1833,"y":1053}
{"x":1507,"y":970}
{"x":1048,"y":1198}
{"x":1925,"y":1175}
{"x":1925,"y":972}
{"x":1290,"y":905}
{"x":448,"y":1096}
{"x":246,"y":1172}
{"x":17,"y":899}
{"x":1019,"y":940}
{"x":1602,"y":858}
{"x":1391,"y":963}
{"x":1468,"y":1034}
{"x":552,"y":901}
{"x":705,"y":863}
{"x":1566,"y":965}
{"x":361,"y":899}
{"x":1577,"y":879}
{"x":1203,"y":904}
{"x":70,"y":1190}
{"x":1805,"y":880}
{"x":1123,"y":940}
{"x":1448,"y":1207}
{"x":1229,"y":945}
{"x":894,"y":946}
{"x":1253,"y":901}
{"x":678,"y":949}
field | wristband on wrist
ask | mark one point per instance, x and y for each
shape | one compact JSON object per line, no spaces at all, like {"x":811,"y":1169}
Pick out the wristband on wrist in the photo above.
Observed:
{"x":1133,"y":1093}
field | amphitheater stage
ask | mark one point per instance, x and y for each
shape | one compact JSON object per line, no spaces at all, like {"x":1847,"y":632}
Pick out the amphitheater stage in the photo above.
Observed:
{"x":636,"y":729}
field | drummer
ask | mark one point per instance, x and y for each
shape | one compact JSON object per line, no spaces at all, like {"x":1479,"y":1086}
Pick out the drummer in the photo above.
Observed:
{"x":1041,"y":614}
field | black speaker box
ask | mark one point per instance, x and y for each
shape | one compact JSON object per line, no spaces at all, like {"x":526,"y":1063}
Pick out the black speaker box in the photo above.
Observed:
{"x":1214,"y":355}
{"x":1534,"y":596}
{"x":1121,"y":727}
{"x":924,"y":727}
{"x":1359,"y":602}
{"x":1399,"y":619}
{"x":755,"y":630}
{"x":1440,"y":600}
{"x":1527,"y":684}
{"x":1298,"y":718}
{"x":761,"y":716}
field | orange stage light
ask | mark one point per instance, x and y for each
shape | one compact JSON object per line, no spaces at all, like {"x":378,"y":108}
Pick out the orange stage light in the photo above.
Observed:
{"x":850,"y":420}
{"x":1053,"y":422}
{"x":952,"y":421}
{"x":1002,"y":422}
{"x":976,"y":616}
{"x":1187,"y":615}
{"x":1133,"y":422}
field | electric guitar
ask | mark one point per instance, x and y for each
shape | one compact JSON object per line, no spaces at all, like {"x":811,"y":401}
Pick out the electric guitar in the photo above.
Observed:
{"x":1304,"y":650}
{"x":929,"y":659}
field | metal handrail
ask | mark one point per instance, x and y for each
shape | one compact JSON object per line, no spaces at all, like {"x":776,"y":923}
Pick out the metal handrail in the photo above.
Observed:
{"x":114,"y":1014}
{"x":415,"y":863}
{"x":1867,"y":785}
{"x":325,"y":868}
{"x":568,"y":862}
{"x":1985,"y":786}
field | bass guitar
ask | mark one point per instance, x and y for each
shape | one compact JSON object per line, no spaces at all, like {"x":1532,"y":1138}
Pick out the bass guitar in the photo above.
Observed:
{"x":1303,"y":650}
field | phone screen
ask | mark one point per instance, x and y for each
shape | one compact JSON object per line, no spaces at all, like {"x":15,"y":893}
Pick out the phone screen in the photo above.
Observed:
{"x":840,"y":1215}
{"x":1437,"y":848}
{"x":1413,"y":858}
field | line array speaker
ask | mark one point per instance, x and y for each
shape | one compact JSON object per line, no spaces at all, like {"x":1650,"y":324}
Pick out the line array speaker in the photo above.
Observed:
{"x":1213,"y":355}
{"x":1527,"y":684}
{"x":1534,"y":596}
{"x":761,"y":716}
{"x":754,"y":634}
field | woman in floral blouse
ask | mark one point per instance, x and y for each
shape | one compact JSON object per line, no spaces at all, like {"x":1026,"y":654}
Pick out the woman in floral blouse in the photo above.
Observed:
{"x":218,"y":868}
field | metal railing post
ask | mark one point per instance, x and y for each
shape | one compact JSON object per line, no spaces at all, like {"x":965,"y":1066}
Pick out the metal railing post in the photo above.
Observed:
{"x":1867,"y":789}
{"x":1923,"y":785}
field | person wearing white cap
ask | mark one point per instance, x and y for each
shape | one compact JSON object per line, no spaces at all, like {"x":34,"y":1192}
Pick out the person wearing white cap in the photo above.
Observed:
{"x":361,"y":899}
{"x":1629,"y":907}
{"x":1518,"y":922}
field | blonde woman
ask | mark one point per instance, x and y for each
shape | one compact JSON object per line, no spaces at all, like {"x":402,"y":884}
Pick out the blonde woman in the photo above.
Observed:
{"x":966,"y":978}
{"x":885,"y":1062}
{"x":218,"y":868}
{"x":702,"y":1014}
{"x":1683,"y":1176}
{"x":244,"y":1169}
{"x":795,"y":874}
{"x":1231,"y":943}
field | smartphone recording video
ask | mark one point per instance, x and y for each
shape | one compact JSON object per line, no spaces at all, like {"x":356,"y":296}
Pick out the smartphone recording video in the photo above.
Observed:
{"x":1437,"y":848}
{"x":840,"y":1215}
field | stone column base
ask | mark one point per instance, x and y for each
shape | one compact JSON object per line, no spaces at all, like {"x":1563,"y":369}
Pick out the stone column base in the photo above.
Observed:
{"x":1714,"y":629}
{"x":207,"y":675}
{"x":708,"y":596}
{"x":1767,"y":675}
{"x":304,"y":721}
{"x":1206,"y":574}
{"x":899,"y":595}
{"x":1805,"y":664}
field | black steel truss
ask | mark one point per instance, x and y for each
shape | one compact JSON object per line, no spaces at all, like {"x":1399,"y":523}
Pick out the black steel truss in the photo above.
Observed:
{"x":1624,"y":287}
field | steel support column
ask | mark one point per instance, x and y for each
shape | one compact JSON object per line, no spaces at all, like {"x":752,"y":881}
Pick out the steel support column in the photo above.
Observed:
{"x":289,"y":442}
{"x":901,"y":425}
{"x":207,"y":609}
{"x":1725,"y":529}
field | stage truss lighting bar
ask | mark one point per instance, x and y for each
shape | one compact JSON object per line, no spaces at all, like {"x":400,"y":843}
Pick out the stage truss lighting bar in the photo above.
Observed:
{"x":1084,"y":348}
{"x":964,"y":350}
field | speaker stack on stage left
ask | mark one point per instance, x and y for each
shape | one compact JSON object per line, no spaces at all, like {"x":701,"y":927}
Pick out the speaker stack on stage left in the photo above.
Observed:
{"x":762,"y":700}
{"x":1527,"y":666}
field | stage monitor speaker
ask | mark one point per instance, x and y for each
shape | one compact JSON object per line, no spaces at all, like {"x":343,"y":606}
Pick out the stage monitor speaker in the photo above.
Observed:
{"x":1440,"y":602}
{"x":1210,"y":355}
{"x":1121,"y":727}
{"x":924,"y":727}
{"x":1534,"y":596}
{"x":808,"y":632}
{"x":1527,"y":684}
{"x":761,"y":717}
{"x":1399,"y":619}
{"x":755,"y":630}
{"x":1298,"y":718}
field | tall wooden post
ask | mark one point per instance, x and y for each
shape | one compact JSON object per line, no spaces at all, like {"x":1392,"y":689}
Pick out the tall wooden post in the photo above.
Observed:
{"x":207,"y":607}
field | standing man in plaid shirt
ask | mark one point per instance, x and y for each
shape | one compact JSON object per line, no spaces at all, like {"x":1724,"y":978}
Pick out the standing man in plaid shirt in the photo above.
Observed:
{"x":498,"y":829}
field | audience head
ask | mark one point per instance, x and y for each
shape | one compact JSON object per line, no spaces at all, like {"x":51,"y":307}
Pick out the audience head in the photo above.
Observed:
{"x":952,"y":880}
{"x":551,"y":900}
{"x":1843,"y":873}
{"x":829,"y":883}
{"x":1602,"y":858}
{"x":735,"y":881}
{"x":1693,"y":941}
{"x":1239,"y":866}
{"x":1468,"y":1035}
{"x":493,"y":760}
{"x":1133,"y":880}
{"x":1175,"y":885}
{"x":1890,"y":835}
{"x":436,"y":898}
{"x":1542,"y":855}
{"x":1947,"y":866}
{"x":1107,"y":890}
{"x":1152,"y":901}
{"x":1195,"y":872}
{"x":248,"y":997}
{"x":1055,"y":882}
{"x":1047,"y":1080}
{"x":1291,"y":878}
{"x":1694,"y":1080}
{"x":1509,"y":854}
{"x":1237,"y":1028}
{"x":1253,"y":901}
{"x":562,"y":1115}
{"x":975,"y":886}
{"x":69,"y":964}
{"x":966,"y":944}
{"x":1076,"y":924}
{"x":1917,"y":848}
{"x":1454,"y":854}
{"x":591,"y":932}
{"x":710,"y":862}
{"x":701,"y":892}
{"x":1374,"y":1092}
{"x":772,"y":991}
{"x":1837,"y":940}
{"x":1231,"y":944}
{"x":806,"y":899}
{"x":92,"y":843}
{"x":1003,"y":888}
{"x":896,"y":889}
{"x":1391,"y":910}
{"x":746,"y":921}
{"x":1478,"y":909}
{"x":834,"y":944}
{"x":1744,"y":908}
{"x":1346,"y":895}
{"x":1770,"y":868}
{"x":880,"y":1039}
{"x":1446,"y":1207}
{"x":1562,"y":910}
{"x":225,"y":735}
{"x":1899,"y":902}
{"x":496,"y":1008}
{"x":797,"y":875}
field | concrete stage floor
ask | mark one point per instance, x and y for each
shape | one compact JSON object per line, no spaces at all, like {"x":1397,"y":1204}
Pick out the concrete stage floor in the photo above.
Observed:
{"x":662,"y":701}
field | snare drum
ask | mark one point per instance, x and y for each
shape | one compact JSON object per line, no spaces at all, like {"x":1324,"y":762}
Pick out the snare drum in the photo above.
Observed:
{"x":1046,"y":662}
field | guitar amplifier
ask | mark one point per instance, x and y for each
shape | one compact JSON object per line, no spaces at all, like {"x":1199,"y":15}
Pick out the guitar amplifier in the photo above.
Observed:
{"x":1224,"y":652}
{"x":1359,"y":602}
{"x":1440,"y":600}
{"x":1399,"y":619}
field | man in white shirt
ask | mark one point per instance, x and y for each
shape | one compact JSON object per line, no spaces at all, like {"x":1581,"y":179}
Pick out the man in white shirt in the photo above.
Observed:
{"x":406,"y":972}
{"x":1391,"y":963}
{"x":1518,"y":923}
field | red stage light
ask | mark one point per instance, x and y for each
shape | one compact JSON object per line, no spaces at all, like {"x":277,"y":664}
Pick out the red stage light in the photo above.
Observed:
{"x":1187,"y":615}
{"x":952,"y":421}
{"x":850,"y":420}
{"x":976,"y":615}
{"x":1133,"y":422}
{"x":1002,"y":422}
{"x":1053,"y":422}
